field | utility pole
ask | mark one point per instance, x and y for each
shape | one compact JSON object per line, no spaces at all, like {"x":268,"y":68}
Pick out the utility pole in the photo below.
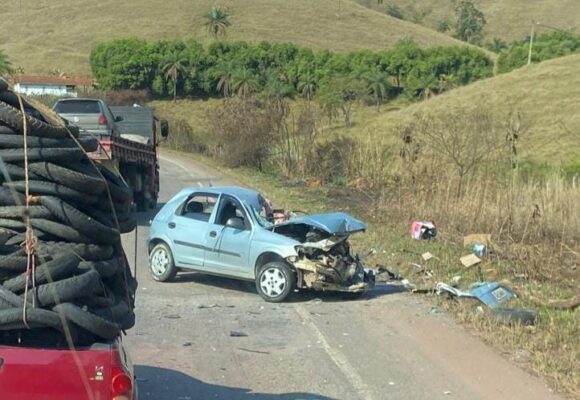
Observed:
{"x":531,"y":42}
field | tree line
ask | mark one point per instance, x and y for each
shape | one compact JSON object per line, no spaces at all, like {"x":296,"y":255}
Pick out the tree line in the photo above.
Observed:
{"x":224,"y":68}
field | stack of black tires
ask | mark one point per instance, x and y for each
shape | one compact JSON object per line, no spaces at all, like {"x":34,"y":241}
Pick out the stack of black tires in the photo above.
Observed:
{"x":78,"y":285}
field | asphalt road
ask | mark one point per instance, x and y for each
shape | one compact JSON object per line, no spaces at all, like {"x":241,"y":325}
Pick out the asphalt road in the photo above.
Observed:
{"x":202,"y":337}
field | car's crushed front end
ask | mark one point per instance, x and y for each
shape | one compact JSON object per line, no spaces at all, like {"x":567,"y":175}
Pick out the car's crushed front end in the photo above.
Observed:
{"x":323,"y":259}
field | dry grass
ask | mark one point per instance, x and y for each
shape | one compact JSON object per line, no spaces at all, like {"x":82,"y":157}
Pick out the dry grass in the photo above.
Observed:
{"x":49,"y":34}
{"x":506,"y":19}
{"x":546,"y":94}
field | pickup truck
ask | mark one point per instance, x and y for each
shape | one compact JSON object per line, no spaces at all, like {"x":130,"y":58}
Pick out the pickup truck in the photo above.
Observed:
{"x":129,"y":138}
{"x":102,"y":371}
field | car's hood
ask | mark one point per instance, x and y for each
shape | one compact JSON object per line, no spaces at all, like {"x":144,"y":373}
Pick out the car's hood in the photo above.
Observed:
{"x":337,"y":223}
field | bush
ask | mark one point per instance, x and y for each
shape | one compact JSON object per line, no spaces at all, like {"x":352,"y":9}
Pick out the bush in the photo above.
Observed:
{"x":545,"y":47}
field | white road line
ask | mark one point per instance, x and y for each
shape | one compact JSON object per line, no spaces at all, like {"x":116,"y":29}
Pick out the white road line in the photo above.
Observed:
{"x":337,"y":357}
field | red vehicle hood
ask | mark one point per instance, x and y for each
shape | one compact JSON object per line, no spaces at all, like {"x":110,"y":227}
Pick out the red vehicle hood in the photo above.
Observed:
{"x":32,"y":373}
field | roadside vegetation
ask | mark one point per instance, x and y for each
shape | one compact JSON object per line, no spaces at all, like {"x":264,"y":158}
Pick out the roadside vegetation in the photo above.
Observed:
{"x":60,"y":37}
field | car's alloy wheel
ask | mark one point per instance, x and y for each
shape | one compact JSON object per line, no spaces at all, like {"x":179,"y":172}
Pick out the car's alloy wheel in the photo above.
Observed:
{"x":161,"y":263}
{"x":275,"y":281}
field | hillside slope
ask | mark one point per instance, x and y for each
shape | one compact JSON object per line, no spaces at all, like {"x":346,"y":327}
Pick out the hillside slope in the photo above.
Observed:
{"x":547,"y":95}
{"x":47,"y":34}
{"x":506,"y":19}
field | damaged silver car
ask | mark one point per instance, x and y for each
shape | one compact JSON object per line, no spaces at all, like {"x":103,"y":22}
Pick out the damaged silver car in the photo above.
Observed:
{"x":233,"y":232}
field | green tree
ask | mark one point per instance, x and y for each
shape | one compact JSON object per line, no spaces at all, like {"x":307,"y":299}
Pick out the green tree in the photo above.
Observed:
{"x":340,"y":93}
{"x":5,"y":64}
{"x":470,"y":21}
{"x":307,"y":85}
{"x":496,"y":45}
{"x":377,"y":85}
{"x":443,"y":26}
{"x":395,"y":11}
{"x":245,"y":82}
{"x":218,"y":21}
{"x":173,"y":67}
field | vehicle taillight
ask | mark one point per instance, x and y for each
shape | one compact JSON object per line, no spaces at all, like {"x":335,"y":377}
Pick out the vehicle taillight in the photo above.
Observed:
{"x":103,"y":119}
{"x":121,"y":385}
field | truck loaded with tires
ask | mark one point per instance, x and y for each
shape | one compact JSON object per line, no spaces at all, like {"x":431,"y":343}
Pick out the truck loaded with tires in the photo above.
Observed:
{"x":129,"y":138}
{"x":65,"y":282}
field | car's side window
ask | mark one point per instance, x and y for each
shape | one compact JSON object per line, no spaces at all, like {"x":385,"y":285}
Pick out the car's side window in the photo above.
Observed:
{"x":230,"y":208}
{"x":198,"y":207}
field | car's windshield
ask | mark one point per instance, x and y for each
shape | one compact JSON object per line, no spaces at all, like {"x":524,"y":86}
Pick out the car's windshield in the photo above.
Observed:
{"x":261,"y":212}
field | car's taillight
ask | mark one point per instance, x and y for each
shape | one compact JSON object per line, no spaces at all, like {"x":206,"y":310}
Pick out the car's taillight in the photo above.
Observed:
{"x":103,"y":119}
{"x":121,"y":385}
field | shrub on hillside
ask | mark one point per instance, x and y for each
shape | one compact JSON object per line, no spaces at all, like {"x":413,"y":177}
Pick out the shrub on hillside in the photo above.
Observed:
{"x":545,"y":47}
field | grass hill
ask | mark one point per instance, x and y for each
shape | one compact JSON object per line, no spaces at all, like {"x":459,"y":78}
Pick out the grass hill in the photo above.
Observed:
{"x":547,"y":94}
{"x":506,"y":19}
{"x":47,"y":34}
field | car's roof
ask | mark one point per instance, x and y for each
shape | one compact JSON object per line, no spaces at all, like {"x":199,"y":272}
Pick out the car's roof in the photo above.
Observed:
{"x":78,"y":99}
{"x":246,"y":195}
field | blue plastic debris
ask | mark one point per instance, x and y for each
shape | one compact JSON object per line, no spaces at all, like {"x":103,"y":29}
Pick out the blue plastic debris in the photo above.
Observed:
{"x":491,"y":293}
{"x":479,"y":249}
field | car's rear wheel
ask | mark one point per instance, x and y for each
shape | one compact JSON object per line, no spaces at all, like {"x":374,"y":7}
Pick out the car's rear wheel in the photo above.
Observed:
{"x":161,"y":263}
{"x":275,"y":281}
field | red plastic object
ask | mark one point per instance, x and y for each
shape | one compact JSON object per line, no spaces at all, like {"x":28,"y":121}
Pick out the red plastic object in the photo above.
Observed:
{"x":100,"y":372}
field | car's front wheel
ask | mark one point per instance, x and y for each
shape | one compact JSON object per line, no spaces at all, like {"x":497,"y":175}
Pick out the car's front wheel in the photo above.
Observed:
{"x":275,"y":281}
{"x":161,"y":263}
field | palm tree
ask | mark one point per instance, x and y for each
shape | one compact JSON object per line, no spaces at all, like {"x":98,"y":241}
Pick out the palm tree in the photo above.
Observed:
{"x":223,"y":73}
{"x":5,"y":64}
{"x":175,"y":65}
{"x":307,"y":85}
{"x":378,"y":85}
{"x":447,"y":82}
{"x":496,"y":45}
{"x":218,"y":21}
{"x":244,"y":82}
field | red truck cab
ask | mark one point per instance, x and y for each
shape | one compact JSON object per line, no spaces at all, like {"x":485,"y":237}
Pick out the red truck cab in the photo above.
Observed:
{"x":102,"y":371}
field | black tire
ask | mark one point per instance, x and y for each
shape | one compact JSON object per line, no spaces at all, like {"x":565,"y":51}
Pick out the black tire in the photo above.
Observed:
{"x":81,"y":222}
{"x":275,"y":281}
{"x":8,"y":297}
{"x":86,"y":183}
{"x":15,"y":173}
{"x":66,"y":289}
{"x":62,"y":231}
{"x":13,"y":141}
{"x":20,"y":212}
{"x":3,"y":85}
{"x":119,"y":190}
{"x":39,"y":154}
{"x":128,"y":225}
{"x":515,"y":316}
{"x":6,"y":234}
{"x":89,"y":321}
{"x":87,"y":252}
{"x":52,"y":189}
{"x":161,"y":264}
{"x":10,"y":197}
{"x":106,"y":269}
{"x":52,"y":271}
{"x":19,"y":239}
{"x":13,"y":118}
{"x":35,"y":318}
{"x":12,"y":224}
{"x":13,"y":263}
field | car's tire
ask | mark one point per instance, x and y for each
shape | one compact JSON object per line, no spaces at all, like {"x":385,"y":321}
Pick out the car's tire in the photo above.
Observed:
{"x":19,"y":212}
{"x":275,"y":281}
{"x":15,"y":173}
{"x":84,"y":224}
{"x":55,"y":154}
{"x":89,"y":321}
{"x":120,"y":192}
{"x":62,"y":231}
{"x":83,"y":182}
{"x":161,"y":264}
{"x":66,"y":289}
{"x":88,"y":252}
{"x":13,"y":118}
{"x":52,"y":189}
{"x":14,"y":141}
{"x":35,"y":318}
{"x":105,"y":268}
{"x":515,"y":316}
{"x":10,"y":197}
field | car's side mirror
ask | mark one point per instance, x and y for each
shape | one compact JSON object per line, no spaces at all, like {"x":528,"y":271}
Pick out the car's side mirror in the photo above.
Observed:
{"x":236,"y":223}
{"x":164,"y":128}
{"x":118,"y":118}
